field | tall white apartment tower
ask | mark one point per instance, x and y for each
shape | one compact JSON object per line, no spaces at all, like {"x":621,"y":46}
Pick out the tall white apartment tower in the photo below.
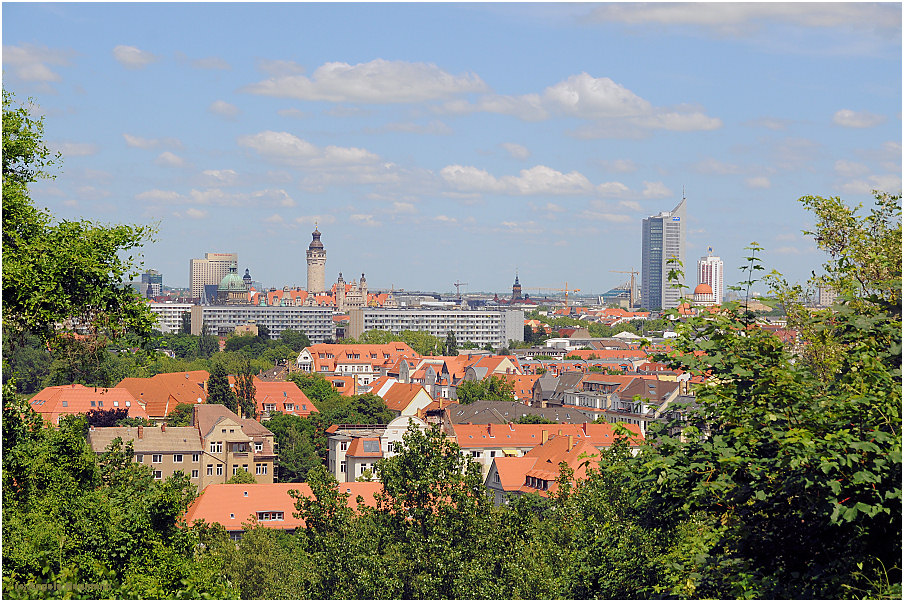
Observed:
{"x":316,"y":264}
{"x":663,"y":239}
{"x":709,"y":271}
{"x":209,"y":270}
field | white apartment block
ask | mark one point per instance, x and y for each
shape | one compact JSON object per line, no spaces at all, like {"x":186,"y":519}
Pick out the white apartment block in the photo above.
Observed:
{"x":209,"y":270}
{"x":221,"y":320}
{"x":169,"y":315}
{"x":477,"y":326}
{"x":710,"y":271}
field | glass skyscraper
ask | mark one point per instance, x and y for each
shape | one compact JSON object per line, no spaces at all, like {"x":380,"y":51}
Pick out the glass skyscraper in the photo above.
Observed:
{"x":663,"y":239}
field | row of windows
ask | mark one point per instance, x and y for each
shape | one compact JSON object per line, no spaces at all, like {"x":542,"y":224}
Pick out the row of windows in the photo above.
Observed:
{"x":158,"y":458}
{"x":158,"y":474}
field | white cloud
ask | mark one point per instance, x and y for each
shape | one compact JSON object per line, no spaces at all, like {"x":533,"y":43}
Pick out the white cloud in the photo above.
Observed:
{"x":553,"y":208}
{"x":787,"y":251}
{"x":433,"y":128}
{"x":516,"y":150}
{"x":594,"y":97}
{"x":619,"y":165}
{"x":133,"y":58}
{"x":758,"y":182}
{"x":679,"y":122}
{"x":223,"y":109}
{"x":520,"y":228}
{"x":633,"y":205}
{"x":274,"y":219}
{"x":278,"y":67}
{"x":193,"y":213}
{"x":850,"y":169}
{"x":400,"y":207}
{"x":617,"y":218}
{"x":378,"y":81}
{"x":168,"y":159}
{"x":76,"y":149}
{"x":655,"y":190}
{"x":294,"y":113}
{"x":221,"y":176}
{"x":741,"y":18}
{"x":211,"y":62}
{"x":139,"y":142}
{"x":854,"y":119}
{"x":711,"y":166}
{"x":528,"y":107}
{"x":32,"y":63}
{"x":365,"y":220}
{"x":159,"y":196}
{"x":612,"y":189}
{"x":275,"y":197}
{"x":445,"y":219}
{"x":536,"y":180}
{"x":288,"y":148}
{"x":316,"y":219}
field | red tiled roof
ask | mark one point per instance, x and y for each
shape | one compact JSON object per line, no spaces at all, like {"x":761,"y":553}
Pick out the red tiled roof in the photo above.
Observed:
{"x":528,"y":435}
{"x":160,"y":394}
{"x":64,"y":400}
{"x":234,"y":505}
{"x":356,"y":448}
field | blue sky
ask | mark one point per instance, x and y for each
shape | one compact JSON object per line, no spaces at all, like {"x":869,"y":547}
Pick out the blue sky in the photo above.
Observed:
{"x":443,"y":142}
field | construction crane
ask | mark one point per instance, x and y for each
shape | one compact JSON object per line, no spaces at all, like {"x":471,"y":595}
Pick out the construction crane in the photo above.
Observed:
{"x":632,"y":272}
{"x":457,"y":286}
{"x":566,"y":290}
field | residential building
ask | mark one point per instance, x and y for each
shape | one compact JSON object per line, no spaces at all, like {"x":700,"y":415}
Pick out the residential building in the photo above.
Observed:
{"x":284,"y":397}
{"x":316,"y":257}
{"x":710,"y":271}
{"x":169,"y":315}
{"x":539,"y":470}
{"x":365,"y":362}
{"x":503,"y":412}
{"x":663,"y":240}
{"x":354,"y":449}
{"x":166,"y":450}
{"x":481,"y":327}
{"x":402,"y":399}
{"x":485,"y":442}
{"x":160,"y":394}
{"x":209,"y":271}
{"x":52,"y":403}
{"x":221,"y":320}
{"x":230,"y":443}
{"x":235,"y":507}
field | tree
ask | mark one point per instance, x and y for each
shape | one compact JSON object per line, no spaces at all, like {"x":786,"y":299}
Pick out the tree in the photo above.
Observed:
{"x":450,"y":347}
{"x":298,"y":454}
{"x":245,"y":391}
{"x":490,"y":388}
{"x":185,"y":326}
{"x":533,"y":419}
{"x":181,"y":415}
{"x":57,"y":272}
{"x":295,"y":339}
{"x":218,"y":388}
{"x":241,"y":477}
{"x":795,"y":485}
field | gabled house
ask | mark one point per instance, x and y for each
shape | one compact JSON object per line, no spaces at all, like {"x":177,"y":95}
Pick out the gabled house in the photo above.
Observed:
{"x":283,"y":396}
{"x":161,"y":393}
{"x":402,"y":399}
{"x":230,"y":443}
{"x":538,"y":470}
{"x":166,"y":450}
{"x":54,"y":402}
{"x":364,"y":362}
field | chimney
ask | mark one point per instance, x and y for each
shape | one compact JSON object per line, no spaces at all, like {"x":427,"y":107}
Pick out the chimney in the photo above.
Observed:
{"x":544,"y":434}
{"x":163,"y":428}
{"x":570,"y":442}
{"x":584,"y":428}
{"x":140,"y":431}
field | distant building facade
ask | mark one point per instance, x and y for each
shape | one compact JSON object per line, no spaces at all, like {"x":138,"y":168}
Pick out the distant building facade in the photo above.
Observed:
{"x":709,"y":271}
{"x":221,"y":320}
{"x":664,"y":238}
{"x":495,"y":328}
{"x":209,"y":271}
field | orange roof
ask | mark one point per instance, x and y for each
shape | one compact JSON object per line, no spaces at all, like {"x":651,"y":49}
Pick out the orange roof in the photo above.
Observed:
{"x":281,"y":395}
{"x":400,"y":395}
{"x":522,"y":383}
{"x":64,"y":400}
{"x":160,"y":394}
{"x":512,"y":470}
{"x":589,"y":354}
{"x":233,"y":505}
{"x":470,"y":436}
{"x":356,"y":448}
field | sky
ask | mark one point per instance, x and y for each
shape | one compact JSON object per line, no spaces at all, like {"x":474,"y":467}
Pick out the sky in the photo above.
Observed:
{"x":435,"y":143}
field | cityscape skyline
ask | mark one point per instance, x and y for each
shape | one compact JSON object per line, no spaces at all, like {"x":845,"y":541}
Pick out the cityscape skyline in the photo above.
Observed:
{"x":440,"y":143}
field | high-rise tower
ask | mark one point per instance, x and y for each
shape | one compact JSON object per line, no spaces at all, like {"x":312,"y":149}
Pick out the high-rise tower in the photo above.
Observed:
{"x":209,"y":271}
{"x":316,"y":264}
{"x":663,"y":239}
{"x":709,"y":271}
